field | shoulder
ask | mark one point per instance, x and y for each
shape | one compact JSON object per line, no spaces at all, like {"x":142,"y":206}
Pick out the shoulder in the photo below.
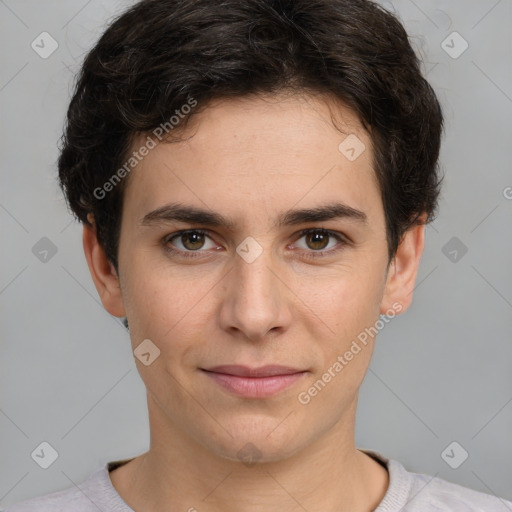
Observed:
{"x":65,"y":500}
{"x":419,"y":492}
{"x":435,"y":494}
{"x":95,"y":493}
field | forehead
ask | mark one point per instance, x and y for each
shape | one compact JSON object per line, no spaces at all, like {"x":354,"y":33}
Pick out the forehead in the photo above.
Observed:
{"x":266,"y":152}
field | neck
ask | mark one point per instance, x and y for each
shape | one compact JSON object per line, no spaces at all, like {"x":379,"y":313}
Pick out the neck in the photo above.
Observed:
{"x":179,"y":474}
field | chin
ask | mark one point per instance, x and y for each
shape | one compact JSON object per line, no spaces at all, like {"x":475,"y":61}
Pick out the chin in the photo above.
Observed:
{"x":255,"y":441}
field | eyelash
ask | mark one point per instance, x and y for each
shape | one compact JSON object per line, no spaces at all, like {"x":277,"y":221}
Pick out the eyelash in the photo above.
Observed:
{"x":310,"y":254}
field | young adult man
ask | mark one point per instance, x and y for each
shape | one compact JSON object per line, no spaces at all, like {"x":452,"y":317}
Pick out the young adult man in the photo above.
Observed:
{"x":254,"y":178}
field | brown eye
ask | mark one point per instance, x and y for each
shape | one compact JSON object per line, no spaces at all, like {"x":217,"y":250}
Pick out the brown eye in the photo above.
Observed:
{"x":317,"y":240}
{"x":188,"y":241}
{"x":192,"y":240}
{"x":320,"y":243}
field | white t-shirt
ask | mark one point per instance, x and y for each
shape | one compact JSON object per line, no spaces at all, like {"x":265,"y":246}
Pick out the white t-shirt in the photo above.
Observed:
{"x":407,"y":492}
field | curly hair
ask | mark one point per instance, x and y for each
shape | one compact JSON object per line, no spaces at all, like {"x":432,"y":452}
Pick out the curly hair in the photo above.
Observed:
{"x":160,"y":53}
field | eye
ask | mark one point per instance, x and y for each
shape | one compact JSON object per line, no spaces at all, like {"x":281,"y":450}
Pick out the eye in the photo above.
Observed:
{"x":317,"y":240}
{"x":192,"y":240}
{"x":191,"y":243}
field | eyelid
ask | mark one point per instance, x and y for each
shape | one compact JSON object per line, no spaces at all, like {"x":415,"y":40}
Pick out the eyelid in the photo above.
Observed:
{"x":341,"y":237}
{"x":335,"y":234}
{"x":178,"y":234}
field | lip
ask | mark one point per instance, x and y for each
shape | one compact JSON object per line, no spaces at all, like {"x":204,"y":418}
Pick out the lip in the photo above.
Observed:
{"x":258,"y":382}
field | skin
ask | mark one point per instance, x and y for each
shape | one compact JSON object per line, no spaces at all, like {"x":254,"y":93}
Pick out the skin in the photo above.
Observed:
{"x":250,"y":159}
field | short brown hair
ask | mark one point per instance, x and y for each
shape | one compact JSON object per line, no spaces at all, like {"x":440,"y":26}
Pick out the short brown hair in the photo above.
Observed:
{"x":160,"y":53}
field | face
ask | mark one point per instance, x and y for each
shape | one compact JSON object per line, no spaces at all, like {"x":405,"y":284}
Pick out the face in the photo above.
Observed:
{"x":286,"y":267}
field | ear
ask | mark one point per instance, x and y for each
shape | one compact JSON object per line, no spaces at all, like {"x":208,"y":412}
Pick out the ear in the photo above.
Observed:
{"x":403,"y":269}
{"x":102,"y":271}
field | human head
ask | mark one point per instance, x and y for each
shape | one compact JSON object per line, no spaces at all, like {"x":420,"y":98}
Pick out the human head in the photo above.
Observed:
{"x":272,"y":89}
{"x":161,"y":55}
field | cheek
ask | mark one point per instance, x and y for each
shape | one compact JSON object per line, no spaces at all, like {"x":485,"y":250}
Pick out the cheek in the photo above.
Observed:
{"x":175,"y":315}
{"x":345,"y":300}
{"x":161,"y":296}
{"x":350,"y":308}
{"x":174,"y":304}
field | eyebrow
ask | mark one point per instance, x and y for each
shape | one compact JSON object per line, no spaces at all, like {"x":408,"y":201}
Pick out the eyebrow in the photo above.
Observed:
{"x":192,"y":215}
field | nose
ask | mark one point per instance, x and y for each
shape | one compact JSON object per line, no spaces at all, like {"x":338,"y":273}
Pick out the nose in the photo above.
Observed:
{"x":256,"y":298}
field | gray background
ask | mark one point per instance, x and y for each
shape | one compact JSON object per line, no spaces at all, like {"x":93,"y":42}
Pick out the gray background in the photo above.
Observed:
{"x":440,"y":372}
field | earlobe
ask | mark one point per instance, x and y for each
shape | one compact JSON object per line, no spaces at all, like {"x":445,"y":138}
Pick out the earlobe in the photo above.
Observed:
{"x":102,"y":272}
{"x":403,"y":270}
